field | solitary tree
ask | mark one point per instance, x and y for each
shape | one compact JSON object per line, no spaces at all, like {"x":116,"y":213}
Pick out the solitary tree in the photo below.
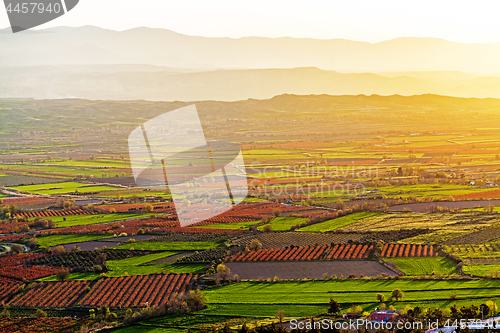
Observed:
{"x":223,"y":272}
{"x":493,"y":307}
{"x":13,"y":209}
{"x":62,"y":275}
{"x":334,"y":306}
{"x":267,"y":228}
{"x":280,"y":315}
{"x":32,"y":243}
{"x":484,"y":310}
{"x":69,"y":204}
{"x":276,"y":212}
{"x":40,"y":313}
{"x":397,"y":294}
{"x":195,"y":300}
{"x":380,"y":298}
{"x":58,"y":249}
{"x":255,"y":244}
{"x":101,"y":259}
{"x":148,"y":208}
{"x":16,"y":248}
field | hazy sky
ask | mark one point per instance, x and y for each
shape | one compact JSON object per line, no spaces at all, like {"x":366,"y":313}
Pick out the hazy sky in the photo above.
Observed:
{"x":363,"y":20}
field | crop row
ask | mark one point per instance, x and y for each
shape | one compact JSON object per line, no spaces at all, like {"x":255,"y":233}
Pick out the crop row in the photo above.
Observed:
{"x":263,"y":208}
{"x":48,"y":213}
{"x":210,"y":255}
{"x":408,"y":250}
{"x":76,"y":259}
{"x":40,"y":325}
{"x":127,"y":226}
{"x":226,"y":219}
{"x":390,"y":236}
{"x":284,"y":239}
{"x":7,"y":280}
{"x":161,"y":223}
{"x":247,"y":212}
{"x":27,"y":201}
{"x":310,"y":214}
{"x":10,"y":227}
{"x":205,"y":230}
{"x":12,"y":238}
{"x":8,"y":289}
{"x":52,"y":294}
{"x":122,"y":208}
{"x":189,"y":237}
{"x":139,"y":290}
{"x":23,"y":273}
{"x":306,"y":253}
{"x":489,"y":247}
{"x":17,"y":259}
{"x":477,"y":237}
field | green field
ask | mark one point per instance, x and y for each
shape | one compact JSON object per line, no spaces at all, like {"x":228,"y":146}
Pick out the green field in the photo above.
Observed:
{"x":180,"y":323}
{"x":64,"y":170}
{"x":73,"y":220}
{"x":138,"y":328}
{"x":98,"y":162}
{"x":65,"y":187}
{"x":127,"y":193}
{"x":137,"y":266}
{"x":337,"y":223}
{"x":423,"y":266}
{"x":54,"y":240}
{"x":267,"y":310}
{"x":169,"y":246}
{"x":254,"y":299}
{"x":283,"y":223}
{"x":481,"y":270}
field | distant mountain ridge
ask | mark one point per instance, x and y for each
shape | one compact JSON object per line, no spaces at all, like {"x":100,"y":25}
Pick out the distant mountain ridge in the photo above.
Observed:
{"x":162,"y":47}
{"x":132,"y":82}
{"x":159,"y":64}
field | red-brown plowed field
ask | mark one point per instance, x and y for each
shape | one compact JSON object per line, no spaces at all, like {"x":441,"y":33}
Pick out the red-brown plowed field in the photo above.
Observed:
{"x":41,"y":325}
{"x":9,"y":267}
{"x":493,"y":194}
{"x":12,"y":238}
{"x":7,"y":289}
{"x":135,"y":291}
{"x":27,"y":201}
{"x":52,"y":294}
{"x":17,"y":259}
{"x":191,"y":230}
{"x":27,"y":273}
{"x":124,"y":208}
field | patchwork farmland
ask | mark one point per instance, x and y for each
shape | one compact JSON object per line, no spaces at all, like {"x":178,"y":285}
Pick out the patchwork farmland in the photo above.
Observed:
{"x":345,"y":214}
